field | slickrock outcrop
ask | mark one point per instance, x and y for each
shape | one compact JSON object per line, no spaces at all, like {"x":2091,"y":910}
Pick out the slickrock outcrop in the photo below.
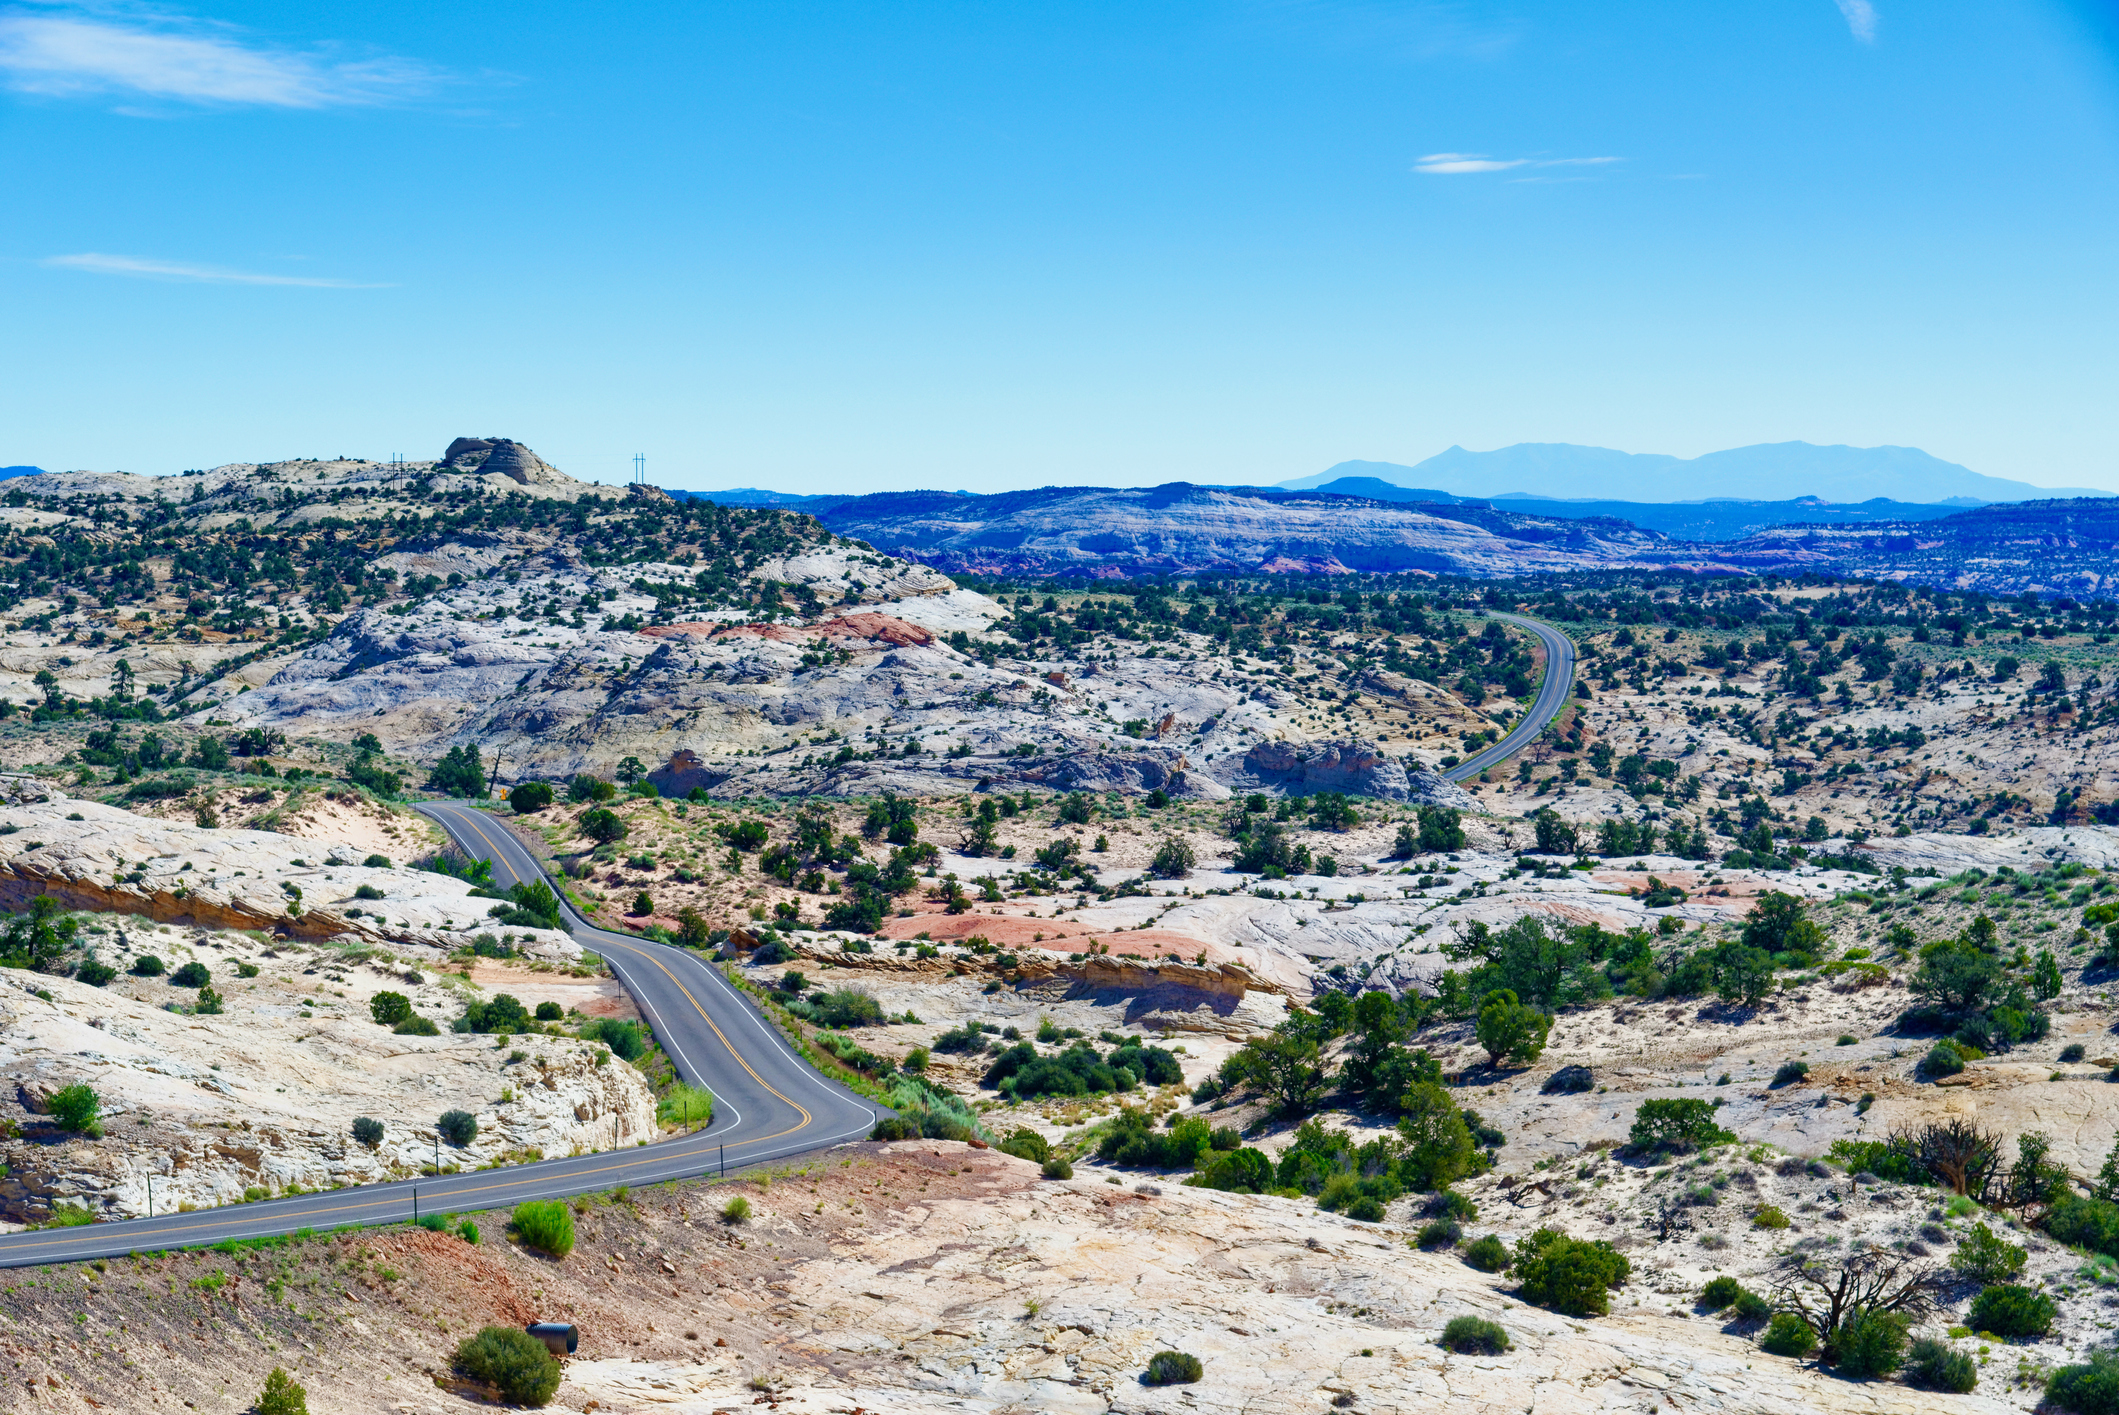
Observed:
{"x":264,"y":1095}
{"x":1025,"y":1295}
{"x":92,"y":856}
{"x":1354,"y":767}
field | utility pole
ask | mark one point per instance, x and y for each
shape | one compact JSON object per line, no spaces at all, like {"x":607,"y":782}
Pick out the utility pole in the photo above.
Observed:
{"x":150,"y":1196}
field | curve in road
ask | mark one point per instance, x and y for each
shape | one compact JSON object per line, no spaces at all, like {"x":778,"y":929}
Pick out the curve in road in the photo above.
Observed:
{"x":1552,"y":696}
{"x":768,"y":1104}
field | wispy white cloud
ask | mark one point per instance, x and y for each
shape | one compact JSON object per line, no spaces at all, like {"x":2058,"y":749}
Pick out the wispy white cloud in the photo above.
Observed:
{"x":1861,"y":19}
{"x":138,"y":268}
{"x":1452,"y":164}
{"x":69,"y":54}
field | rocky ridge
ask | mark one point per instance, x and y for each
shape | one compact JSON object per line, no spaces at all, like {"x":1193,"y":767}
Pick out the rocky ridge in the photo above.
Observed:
{"x":262,"y":1096}
{"x":91,"y":856}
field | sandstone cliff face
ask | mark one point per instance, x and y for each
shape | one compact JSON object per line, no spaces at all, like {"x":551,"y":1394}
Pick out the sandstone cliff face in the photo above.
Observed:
{"x":92,"y":856}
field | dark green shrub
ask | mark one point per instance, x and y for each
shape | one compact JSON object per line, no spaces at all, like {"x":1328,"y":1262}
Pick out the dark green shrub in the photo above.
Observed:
{"x":2085,"y":1223}
{"x":1936,"y":1365}
{"x":544,"y":1224}
{"x":847,"y":1007}
{"x":2073,"y":1051}
{"x":1133,"y":1140}
{"x":389,"y":1008}
{"x":147,"y":966}
{"x":1720,"y":1292}
{"x":1027,"y":1144}
{"x":1943,"y":1059}
{"x":368,"y":1131}
{"x":191,"y":975}
{"x":622,"y":1036}
{"x":417,"y":1027}
{"x":549,"y":1012}
{"x":1985,"y":1257}
{"x":75,"y":1108}
{"x":2091,"y":1388}
{"x":736,"y":1210}
{"x":1788,"y":1335}
{"x":1171,"y":1368}
{"x":502,"y":1012}
{"x":376,"y":862}
{"x":1750,"y":1307}
{"x":367,"y":891}
{"x":1366,"y":1209}
{"x":513,"y":1362}
{"x":1511,"y":1030}
{"x":1789,"y":1073}
{"x":94,"y":972}
{"x":1448,"y":1203}
{"x":458,"y":1127}
{"x":1870,"y":1344}
{"x":895,"y":1127}
{"x":2011,"y":1311}
{"x":1470,"y":1335}
{"x":1439,"y":1233}
{"x":1155,"y":1066}
{"x":530,"y":797}
{"x":1569,"y":1275}
{"x":1240,"y":1171}
{"x":603,"y":826}
{"x":282,"y":1396}
{"x":1488,"y":1254}
{"x":1676,"y":1125}
{"x":433,"y":1223}
{"x":1057,"y":1168}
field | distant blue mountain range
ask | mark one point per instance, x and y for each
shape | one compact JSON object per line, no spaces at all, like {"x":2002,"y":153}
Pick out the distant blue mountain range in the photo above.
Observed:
{"x":1724,"y":518}
{"x":6,"y":472}
{"x":1777,"y":471}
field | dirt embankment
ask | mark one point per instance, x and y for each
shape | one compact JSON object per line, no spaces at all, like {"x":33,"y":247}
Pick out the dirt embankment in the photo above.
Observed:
{"x":892,"y":1278}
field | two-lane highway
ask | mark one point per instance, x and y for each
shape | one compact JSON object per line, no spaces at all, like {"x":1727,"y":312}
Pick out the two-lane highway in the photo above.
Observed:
{"x":1552,"y":696}
{"x":768,"y":1104}
{"x":765,"y":1094}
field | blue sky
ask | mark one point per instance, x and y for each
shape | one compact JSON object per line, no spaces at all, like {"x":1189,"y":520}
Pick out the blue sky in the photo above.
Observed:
{"x":857,"y":247}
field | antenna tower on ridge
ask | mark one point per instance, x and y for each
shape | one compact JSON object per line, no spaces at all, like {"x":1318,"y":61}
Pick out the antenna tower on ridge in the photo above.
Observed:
{"x":639,"y":469}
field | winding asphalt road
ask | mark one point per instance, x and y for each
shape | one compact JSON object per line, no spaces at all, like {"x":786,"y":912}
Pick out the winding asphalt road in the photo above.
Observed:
{"x":768,"y":1104}
{"x":1552,"y":696}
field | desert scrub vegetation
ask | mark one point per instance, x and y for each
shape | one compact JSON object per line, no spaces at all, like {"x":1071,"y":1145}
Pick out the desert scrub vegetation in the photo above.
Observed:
{"x":545,"y":1225}
{"x":1569,"y":1275}
{"x":1170,"y":1368}
{"x":1475,"y":1336}
{"x":281,"y":1396}
{"x":519,"y":1367}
